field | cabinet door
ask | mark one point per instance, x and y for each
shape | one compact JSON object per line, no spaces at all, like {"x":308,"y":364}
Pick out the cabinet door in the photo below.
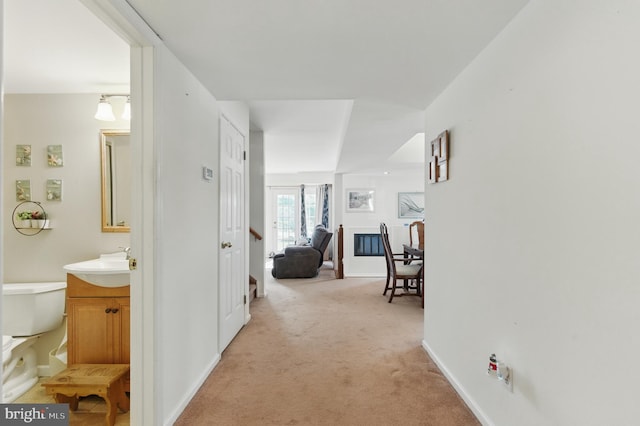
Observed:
{"x":90,"y":330}
{"x":122,"y":331}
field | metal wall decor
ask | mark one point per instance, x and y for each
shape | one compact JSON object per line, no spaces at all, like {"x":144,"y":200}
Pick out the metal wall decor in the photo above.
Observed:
{"x":30,"y":218}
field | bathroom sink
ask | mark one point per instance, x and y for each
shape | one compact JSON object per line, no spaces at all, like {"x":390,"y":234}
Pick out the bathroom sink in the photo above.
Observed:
{"x":109,"y":270}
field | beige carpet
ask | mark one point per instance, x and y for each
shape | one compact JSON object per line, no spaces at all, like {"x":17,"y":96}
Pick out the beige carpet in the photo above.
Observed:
{"x":328,"y":352}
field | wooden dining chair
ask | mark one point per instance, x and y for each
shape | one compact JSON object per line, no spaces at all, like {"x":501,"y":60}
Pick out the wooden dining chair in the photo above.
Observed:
{"x":400,"y":268}
{"x":419,"y":230}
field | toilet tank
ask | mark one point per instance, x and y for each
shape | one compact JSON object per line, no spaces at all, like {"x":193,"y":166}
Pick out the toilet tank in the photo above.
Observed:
{"x":32,"y":308}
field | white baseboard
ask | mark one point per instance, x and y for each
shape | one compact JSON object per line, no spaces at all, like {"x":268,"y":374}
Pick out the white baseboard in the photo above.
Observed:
{"x":364,"y":275}
{"x":43,"y":371}
{"x":471,"y":403}
{"x":185,"y":401}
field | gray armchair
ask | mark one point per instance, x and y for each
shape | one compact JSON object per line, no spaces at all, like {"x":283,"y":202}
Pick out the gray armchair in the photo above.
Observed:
{"x":302,"y":261}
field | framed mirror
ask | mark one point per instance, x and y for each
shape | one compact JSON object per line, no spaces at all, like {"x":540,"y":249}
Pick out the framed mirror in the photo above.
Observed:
{"x":115,"y":156}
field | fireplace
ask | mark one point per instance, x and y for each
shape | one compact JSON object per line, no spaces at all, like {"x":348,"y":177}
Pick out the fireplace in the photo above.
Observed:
{"x":367,"y":245}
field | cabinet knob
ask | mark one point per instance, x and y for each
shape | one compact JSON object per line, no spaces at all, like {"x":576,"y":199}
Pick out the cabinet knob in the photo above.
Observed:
{"x":108,"y":310}
{"x":114,"y":310}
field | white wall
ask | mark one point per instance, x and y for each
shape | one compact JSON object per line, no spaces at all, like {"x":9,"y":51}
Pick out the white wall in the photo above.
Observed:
{"x":296,"y":179}
{"x":532,"y":244}
{"x":238,"y":113}
{"x":257,"y":213}
{"x":386,"y":189}
{"x":186,"y":266}
{"x":40,"y":120}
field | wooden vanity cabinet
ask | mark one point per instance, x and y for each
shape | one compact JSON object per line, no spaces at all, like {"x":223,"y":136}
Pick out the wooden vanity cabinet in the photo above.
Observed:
{"x":98,"y":325}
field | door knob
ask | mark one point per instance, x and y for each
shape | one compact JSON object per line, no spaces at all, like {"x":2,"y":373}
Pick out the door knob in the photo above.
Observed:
{"x":226,"y":244}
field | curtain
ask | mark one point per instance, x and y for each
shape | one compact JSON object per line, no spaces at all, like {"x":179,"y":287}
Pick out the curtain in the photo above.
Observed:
{"x":324,"y":192}
{"x":303,"y":214}
{"x":323,"y":195}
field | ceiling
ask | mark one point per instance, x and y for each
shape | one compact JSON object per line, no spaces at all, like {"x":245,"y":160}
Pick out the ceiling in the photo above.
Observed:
{"x":336,"y":85}
{"x":58,"y":46}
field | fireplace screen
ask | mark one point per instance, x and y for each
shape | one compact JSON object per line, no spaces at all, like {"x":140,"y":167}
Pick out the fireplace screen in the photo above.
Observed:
{"x":367,"y":245}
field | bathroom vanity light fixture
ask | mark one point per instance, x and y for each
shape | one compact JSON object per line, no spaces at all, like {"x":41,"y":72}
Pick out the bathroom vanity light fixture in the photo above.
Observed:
{"x":126,"y":114}
{"x":105,"y":110}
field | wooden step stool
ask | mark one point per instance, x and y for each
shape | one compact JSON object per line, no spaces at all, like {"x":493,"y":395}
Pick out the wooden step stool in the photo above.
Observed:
{"x":104,"y":380}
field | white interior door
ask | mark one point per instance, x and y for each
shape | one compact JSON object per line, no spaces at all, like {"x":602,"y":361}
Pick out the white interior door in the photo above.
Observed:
{"x":232,"y":280}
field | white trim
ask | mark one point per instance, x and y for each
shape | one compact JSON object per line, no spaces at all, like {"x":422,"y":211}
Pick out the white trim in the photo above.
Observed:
{"x":366,"y":275}
{"x":196,"y":387}
{"x":247,"y":224}
{"x":471,"y":403}
{"x":44,"y":370}
{"x":2,"y":31}
{"x":146,"y":410}
{"x":125,"y":21}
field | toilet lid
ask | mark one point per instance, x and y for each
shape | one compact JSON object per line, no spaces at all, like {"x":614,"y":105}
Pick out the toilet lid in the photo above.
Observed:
{"x":6,"y":347}
{"x":6,"y":342}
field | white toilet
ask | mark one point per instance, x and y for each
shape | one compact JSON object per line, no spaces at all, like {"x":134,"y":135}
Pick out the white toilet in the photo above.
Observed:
{"x":28,"y":310}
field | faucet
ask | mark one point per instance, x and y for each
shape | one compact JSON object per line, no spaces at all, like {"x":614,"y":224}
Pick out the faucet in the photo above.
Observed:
{"x":127,"y":250}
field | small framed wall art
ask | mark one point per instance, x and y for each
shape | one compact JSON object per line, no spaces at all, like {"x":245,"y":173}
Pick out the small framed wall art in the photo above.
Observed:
{"x":411,"y":205}
{"x":54,"y":189}
{"x":23,"y":190}
{"x":439,"y":158}
{"x":23,"y":155}
{"x":360,"y":200}
{"x":54,"y":156}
